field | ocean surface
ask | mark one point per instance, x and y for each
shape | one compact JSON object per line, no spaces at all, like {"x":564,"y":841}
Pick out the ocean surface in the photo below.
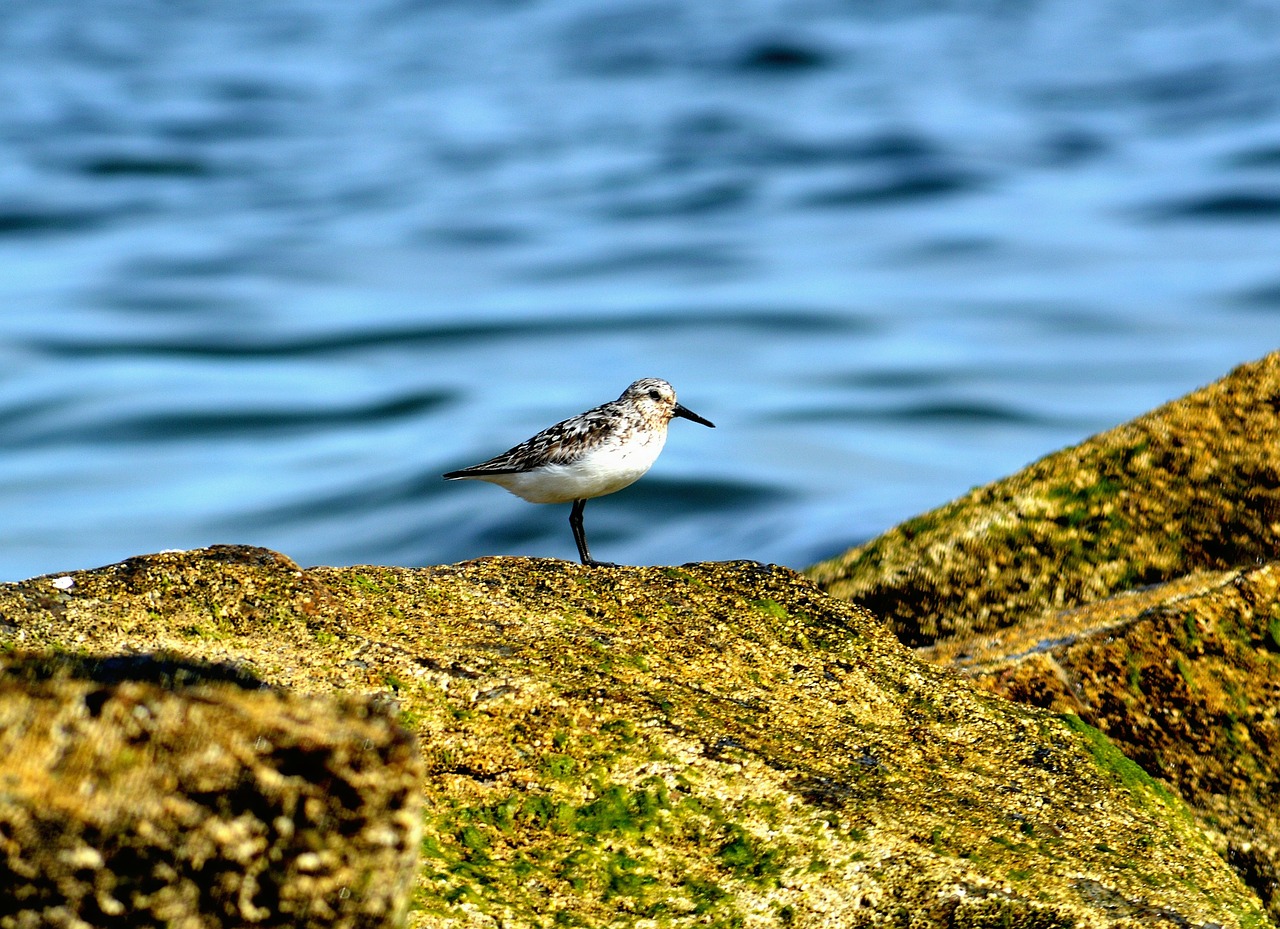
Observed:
{"x":268,"y":269}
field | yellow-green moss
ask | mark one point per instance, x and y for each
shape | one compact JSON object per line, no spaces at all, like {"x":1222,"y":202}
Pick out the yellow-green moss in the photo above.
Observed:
{"x":715,"y":745}
{"x":1182,"y":678}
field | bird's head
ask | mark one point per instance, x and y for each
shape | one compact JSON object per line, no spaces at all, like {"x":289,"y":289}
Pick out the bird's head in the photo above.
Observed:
{"x":657,"y":399}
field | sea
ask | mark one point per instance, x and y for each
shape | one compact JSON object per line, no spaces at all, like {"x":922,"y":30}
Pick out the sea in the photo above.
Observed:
{"x":267,"y":269}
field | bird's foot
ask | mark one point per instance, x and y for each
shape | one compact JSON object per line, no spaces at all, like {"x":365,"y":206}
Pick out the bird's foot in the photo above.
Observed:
{"x":592,"y":563}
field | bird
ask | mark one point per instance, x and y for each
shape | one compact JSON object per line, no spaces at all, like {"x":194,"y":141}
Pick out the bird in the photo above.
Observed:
{"x":589,"y":455}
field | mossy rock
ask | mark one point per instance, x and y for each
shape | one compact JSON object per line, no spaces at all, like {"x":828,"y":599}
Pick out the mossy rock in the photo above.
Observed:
{"x":715,"y":744}
{"x":1193,"y":485}
{"x":148,"y":790}
{"x":1184,"y":678}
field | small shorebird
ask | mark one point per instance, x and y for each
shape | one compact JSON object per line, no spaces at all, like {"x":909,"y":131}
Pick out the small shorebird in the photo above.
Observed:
{"x":588,"y":455}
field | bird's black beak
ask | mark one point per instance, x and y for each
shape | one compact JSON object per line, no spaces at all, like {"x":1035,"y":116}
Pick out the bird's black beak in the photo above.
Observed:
{"x":680,"y":411}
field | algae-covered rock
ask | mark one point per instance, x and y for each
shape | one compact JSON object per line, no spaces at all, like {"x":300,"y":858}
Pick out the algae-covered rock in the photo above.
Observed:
{"x":717,"y":744}
{"x":1193,"y":485}
{"x":1125,"y":580}
{"x":152,"y":791}
{"x":1185,"y":678}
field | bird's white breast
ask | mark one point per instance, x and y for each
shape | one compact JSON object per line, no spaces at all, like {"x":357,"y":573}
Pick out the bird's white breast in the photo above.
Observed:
{"x":602,"y":469}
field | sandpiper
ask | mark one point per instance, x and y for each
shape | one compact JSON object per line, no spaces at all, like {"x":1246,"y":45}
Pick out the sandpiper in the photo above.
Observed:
{"x":588,"y":455}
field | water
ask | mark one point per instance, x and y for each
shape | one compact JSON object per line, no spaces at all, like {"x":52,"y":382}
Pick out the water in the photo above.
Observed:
{"x":267,"y":270}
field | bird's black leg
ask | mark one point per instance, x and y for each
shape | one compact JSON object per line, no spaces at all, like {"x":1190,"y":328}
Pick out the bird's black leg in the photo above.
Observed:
{"x":580,"y":536}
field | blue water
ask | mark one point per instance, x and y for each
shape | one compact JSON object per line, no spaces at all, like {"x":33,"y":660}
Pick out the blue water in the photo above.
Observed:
{"x":268,"y":269}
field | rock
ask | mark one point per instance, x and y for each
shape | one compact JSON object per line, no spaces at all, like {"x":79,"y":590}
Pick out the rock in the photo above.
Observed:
{"x":1191,"y":486}
{"x":1184,"y":678}
{"x":1127,"y":580}
{"x":717,"y":744}
{"x":147,"y":790}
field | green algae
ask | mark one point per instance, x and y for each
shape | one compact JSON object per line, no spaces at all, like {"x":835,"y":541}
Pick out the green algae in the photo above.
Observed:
{"x":1141,"y":785}
{"x":771,"y":608}
{"x":603,"y":852}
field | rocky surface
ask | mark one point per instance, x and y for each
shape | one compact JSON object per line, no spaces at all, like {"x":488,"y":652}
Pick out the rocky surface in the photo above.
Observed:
{"x":1185,"y":679}
{"x":153,"y":791}
{"x":1193,"y":485}
{"x":718,"y":745}
{"x":1128,"y":580}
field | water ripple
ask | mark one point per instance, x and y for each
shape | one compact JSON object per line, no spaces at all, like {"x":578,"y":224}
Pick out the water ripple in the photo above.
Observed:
{"x":1238,"y":205}
{"x":919,"y":185}
{"x":46,"y":424}
{"x":407,"y":338}
{"x":264,"y":267}
{"x":937,"y":413}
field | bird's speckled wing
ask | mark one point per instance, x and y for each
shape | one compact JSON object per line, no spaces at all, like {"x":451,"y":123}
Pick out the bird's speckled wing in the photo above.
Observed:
{"x":559,"y":444}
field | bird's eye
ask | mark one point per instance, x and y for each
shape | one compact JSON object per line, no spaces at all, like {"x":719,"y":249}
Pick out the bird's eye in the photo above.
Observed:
{"x":654,"y":395}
